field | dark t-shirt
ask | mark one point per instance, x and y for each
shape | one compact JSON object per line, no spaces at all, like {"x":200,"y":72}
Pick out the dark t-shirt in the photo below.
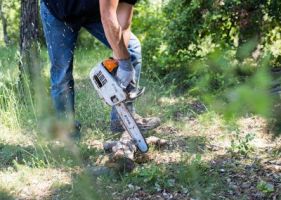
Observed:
{"x":77,"y":10}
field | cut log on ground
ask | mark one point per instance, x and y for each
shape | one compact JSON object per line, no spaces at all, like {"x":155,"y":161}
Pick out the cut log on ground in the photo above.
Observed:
{"x":123,"y":152}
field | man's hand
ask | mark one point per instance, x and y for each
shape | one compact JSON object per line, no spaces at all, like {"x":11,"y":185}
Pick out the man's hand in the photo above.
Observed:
{"x":125,"y":73}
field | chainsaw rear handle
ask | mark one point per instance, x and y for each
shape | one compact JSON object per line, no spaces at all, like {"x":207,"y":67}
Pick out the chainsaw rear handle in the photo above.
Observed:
{"x":111,"y":65}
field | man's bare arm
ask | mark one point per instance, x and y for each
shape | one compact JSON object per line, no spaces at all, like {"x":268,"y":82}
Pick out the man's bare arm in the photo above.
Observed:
{"x":125,"y":14}
{"x":116,"y":19}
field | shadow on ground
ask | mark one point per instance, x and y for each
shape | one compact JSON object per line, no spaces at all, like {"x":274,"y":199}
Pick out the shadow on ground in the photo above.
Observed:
{"x":83,"y":186}
{"x":13,"y":153}
{"x":5,"y":195}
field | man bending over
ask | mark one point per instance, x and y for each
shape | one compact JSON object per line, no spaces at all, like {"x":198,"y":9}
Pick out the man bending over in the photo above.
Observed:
{"x":107,"y":20}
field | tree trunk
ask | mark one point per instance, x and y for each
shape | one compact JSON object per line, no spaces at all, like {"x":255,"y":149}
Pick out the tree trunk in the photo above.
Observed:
{"x":29,"y":35}
{"x":4,"y":24}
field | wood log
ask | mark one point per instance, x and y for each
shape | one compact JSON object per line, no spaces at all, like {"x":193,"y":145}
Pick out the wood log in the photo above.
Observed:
{"x":123,"y":152}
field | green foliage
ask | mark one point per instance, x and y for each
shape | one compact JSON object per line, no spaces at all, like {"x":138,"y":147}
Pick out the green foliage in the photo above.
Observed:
{"x":152,"y":175}
{"x":194,"y":175}
{"x":275,"y":9}
{"x":87,"y":41}
{"x":5,"y":195}
{"x":217,"y":50}
{"x":11,"y":11}
{"x":240,"y":145}
{"x":8,"y":65}
{"x":9,"y":154}
{"x":220,"y":50}
{"x":38,"y":156}
{"x":187,"y":176}
{"x":236,"y":34}
{"x":264,"y":187}
{"x":86,"y":189}
{"x":148,"y":25}
{"x":14,"y":109}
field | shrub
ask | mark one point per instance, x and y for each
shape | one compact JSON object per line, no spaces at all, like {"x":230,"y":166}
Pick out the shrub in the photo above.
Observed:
{"x":188,"y":32}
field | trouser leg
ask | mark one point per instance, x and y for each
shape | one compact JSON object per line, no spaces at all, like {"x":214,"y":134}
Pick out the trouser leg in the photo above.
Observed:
{"x":60,"y":38}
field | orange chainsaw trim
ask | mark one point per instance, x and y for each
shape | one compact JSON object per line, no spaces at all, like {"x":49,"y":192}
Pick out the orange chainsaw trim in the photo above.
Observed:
{"x":110,"y":64}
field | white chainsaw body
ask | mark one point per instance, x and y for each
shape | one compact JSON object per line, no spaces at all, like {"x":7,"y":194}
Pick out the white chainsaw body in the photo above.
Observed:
{"x":109,"y":91}
{"x":107,"y":87}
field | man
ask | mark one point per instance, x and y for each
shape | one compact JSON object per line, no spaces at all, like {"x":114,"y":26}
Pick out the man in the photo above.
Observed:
{"x":107,"y":20}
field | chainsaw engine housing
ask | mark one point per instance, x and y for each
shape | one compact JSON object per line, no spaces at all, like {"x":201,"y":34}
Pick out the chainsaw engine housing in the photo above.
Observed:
{"x":107,"y":86}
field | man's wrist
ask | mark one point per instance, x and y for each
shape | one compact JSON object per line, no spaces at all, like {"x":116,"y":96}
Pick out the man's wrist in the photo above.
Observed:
{"x":121,"y":55}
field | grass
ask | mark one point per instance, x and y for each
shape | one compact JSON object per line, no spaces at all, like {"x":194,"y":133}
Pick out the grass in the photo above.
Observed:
{"x":199,"y":161}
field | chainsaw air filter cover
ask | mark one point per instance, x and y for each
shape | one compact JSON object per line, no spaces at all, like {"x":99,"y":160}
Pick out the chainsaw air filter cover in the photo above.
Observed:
{"x":107,"y":86}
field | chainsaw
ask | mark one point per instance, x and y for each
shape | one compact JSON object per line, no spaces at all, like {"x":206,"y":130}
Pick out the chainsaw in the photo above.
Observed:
{"x":103,"y":78}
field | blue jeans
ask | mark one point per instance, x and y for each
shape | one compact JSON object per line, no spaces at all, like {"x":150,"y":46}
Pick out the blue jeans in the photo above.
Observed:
{"x":61,"y":38}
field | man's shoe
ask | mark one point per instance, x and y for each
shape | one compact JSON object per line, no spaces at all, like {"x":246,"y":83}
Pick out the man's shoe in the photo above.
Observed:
{"x":76,"y":133}
{"x":144,"y":124}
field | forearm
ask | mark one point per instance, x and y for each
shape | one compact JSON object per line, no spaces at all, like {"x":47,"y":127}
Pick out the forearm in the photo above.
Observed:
{"x":116,"y":20}
{"x":127,"y":36}
{"x":117,"y":38}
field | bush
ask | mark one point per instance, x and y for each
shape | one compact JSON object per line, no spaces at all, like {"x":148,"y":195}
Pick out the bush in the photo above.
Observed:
{"x":237,"y":34}
{"x":148,"y":25}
